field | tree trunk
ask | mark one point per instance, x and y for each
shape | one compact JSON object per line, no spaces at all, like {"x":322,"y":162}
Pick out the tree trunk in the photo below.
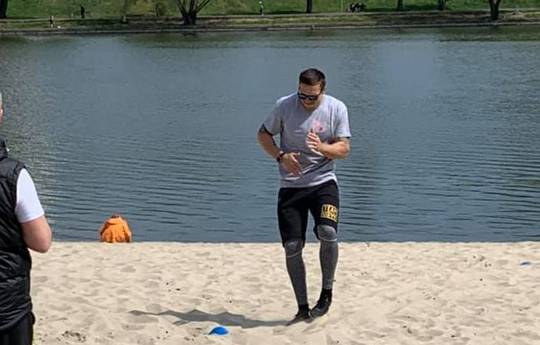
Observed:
{"x":399,"y":5}
{"x":309,"y":6}
{"x":191,"y":18}
{"x":441,"y":5}
{"x":494,"y":8}
{"x":189,"y":10}
{"x":188,"y":17}
{"x":3,"y":9}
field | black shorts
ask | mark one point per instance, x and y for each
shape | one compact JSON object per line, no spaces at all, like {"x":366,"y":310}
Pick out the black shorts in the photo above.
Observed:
{"x":21,"y":334}
{"x":293,"y":206}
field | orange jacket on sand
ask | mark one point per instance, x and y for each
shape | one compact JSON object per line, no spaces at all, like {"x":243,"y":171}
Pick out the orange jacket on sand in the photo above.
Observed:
{"x":115,"y":230}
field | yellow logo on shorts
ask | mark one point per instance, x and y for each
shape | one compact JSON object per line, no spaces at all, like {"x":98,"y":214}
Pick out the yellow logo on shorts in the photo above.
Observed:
{"x":329,"y":212}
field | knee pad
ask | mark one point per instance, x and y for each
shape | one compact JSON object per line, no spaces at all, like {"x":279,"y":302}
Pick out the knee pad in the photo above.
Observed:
{"x":326,"y":233}
{"x":293,"y":247}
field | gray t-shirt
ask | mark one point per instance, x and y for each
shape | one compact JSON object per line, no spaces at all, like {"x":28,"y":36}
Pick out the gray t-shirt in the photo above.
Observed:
{"x":293,"y":122}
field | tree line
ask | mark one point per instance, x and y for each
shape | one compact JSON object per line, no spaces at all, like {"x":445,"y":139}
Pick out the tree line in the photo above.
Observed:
{"x":190,"y":8}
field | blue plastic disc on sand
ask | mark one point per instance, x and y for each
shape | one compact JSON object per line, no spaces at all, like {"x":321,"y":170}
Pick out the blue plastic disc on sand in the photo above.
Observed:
{"x":219,"y":330}
{"x":525,"y":263}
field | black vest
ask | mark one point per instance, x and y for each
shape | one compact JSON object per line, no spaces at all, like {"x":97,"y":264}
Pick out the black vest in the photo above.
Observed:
{"x":15,"y":261}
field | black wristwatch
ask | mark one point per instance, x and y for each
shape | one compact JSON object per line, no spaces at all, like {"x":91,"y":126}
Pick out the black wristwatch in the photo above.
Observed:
{"x":281,"y":154}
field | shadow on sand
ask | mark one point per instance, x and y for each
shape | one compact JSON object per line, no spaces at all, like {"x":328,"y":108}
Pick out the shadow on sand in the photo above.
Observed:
{"x":226,"y":318}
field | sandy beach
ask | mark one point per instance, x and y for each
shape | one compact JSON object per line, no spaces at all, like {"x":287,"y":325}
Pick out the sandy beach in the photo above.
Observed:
{"x":385,"y":293}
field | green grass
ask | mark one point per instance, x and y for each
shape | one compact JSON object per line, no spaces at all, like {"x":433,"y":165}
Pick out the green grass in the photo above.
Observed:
{"x":115,"y":8}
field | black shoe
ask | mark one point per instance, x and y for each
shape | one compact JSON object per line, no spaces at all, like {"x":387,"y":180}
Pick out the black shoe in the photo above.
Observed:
{"x":322,"y":305}
{"x":302,"y":315}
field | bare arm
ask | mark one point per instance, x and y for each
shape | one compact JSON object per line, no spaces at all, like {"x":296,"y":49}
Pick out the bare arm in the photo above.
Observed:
{"x":266,"y":140}
{"x":37,"y":234}
{"x":288,"y":160}
{"x":338,"y":149}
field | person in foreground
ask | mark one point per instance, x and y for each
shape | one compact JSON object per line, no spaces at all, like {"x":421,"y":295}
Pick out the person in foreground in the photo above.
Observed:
{"x":314,"y":131}
{"x":22,"y":225}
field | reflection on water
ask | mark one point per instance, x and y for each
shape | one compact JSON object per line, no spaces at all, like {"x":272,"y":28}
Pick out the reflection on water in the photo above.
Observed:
{"x":161,"y":128}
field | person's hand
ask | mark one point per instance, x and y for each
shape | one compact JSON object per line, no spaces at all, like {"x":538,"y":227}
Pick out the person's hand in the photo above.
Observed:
{"x":314,"y":142}
{"x":289,"y":161}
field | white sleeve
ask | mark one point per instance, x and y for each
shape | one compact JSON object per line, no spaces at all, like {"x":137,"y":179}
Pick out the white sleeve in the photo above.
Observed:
{"x":343,"y":130}
{"x":272,"y":123}
{"x":28,"y":206}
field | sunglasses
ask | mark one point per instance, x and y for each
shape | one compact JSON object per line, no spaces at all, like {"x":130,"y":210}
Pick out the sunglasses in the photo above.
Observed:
{"x":303,"y":96}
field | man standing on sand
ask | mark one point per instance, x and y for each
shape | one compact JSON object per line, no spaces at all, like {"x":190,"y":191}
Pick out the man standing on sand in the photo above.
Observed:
{"x":22,"y":225}
{"x":314,"y":131}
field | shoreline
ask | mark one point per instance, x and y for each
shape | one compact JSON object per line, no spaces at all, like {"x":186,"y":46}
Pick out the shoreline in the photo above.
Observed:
{"x":273,"y":23}
{"x":385,"y":293}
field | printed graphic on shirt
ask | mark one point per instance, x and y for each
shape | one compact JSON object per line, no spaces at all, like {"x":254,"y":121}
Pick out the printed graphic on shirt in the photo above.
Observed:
{"x":329,"y":212}
{"x":317,"y":126}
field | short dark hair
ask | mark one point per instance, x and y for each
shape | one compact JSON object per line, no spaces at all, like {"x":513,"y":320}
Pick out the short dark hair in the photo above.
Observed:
{"x":313,"y":76}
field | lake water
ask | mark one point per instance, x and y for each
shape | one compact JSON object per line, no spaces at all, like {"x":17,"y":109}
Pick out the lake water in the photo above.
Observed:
{"x":162,"y":129}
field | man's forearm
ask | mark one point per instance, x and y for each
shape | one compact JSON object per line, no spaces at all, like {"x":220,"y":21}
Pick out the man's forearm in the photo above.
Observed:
{"x":37,"y":234}
{"x":268,"y":144}
{"x":337,"y":150}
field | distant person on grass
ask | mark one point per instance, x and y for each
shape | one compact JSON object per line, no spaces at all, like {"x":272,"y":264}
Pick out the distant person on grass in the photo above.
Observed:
{"x":22,"y":225}
{"x":314,"y":131}
{"x":357,"y":7}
